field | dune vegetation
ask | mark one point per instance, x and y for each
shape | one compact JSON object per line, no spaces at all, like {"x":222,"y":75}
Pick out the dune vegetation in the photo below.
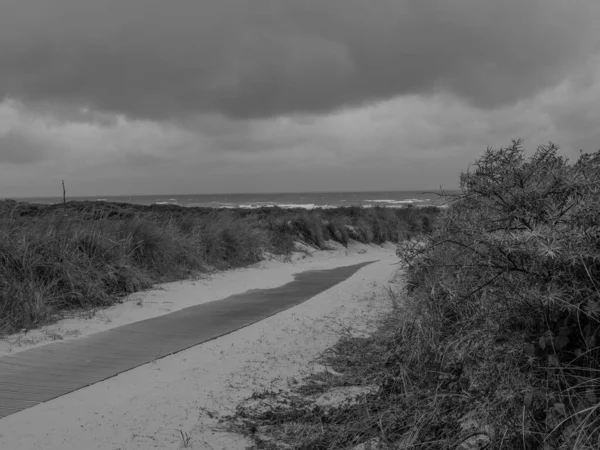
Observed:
{"x":85,"y":255}
{"x":495,"y":340}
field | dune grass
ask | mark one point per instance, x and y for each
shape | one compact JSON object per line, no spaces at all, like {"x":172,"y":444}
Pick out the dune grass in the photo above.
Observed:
{"x":56,"y":258}
{"x":495,"y":342}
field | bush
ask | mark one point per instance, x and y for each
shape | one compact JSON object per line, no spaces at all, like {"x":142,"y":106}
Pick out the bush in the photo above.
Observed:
{"x":505,"y":299}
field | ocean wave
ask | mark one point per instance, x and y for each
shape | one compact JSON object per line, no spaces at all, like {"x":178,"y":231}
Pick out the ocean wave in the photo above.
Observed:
{"x":417,"y":206}
{"x":306,"y":206}
{"x":282,"y":206}
{"x":399,"y":202}
{"x":256,"y":206}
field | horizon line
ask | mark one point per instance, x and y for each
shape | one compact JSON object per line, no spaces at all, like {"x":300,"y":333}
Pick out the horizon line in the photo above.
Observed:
{"x":235,"y":193}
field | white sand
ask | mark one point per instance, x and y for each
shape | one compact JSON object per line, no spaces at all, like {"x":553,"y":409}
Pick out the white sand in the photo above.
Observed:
{"x":146,"y":407}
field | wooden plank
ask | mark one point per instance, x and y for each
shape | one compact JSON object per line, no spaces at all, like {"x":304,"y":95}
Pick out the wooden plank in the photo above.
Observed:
{"x":4,"y":411}
{"x":85,"y":353}
{"x":33,"y":364}
{"x":21,"y":386}
{"x":32,"y":396}
{"x":55,"y":371}
{"x":97,"y":362}
{"x":74,"y":380}
{"x":11,"y":388}
{"x":17,"y":404}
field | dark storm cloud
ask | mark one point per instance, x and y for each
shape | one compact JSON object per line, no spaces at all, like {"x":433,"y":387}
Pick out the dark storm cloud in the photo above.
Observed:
{"x":242,"y":58}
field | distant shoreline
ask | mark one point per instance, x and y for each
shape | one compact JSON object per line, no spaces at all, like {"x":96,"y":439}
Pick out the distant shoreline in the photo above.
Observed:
{"x":323,"y":200}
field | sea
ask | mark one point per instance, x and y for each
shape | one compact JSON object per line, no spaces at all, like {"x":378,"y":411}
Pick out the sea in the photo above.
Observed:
{"x":307,"y":200}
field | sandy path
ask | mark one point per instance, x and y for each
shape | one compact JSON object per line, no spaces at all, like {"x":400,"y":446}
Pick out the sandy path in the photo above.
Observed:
{"x":146,"y":407}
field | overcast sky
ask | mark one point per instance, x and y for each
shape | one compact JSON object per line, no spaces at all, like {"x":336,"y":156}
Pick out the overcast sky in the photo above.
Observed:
{"x":204,"y":96}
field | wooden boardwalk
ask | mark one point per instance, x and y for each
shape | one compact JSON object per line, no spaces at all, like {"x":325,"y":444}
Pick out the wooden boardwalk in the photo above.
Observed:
{"x":41,"y":374}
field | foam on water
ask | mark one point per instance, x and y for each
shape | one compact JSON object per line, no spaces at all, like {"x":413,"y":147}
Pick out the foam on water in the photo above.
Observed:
{"x":313,"y":200}
{"x":400,"y":202}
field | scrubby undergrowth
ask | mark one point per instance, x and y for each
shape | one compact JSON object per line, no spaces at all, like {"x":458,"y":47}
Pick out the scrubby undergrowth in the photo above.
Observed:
{"x":505,"y":299}
{"x":496,"y":344}
{"x":55,"y":258}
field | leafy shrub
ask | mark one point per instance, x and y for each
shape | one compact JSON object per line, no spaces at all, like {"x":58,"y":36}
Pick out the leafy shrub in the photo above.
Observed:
{"x":505,"y":299}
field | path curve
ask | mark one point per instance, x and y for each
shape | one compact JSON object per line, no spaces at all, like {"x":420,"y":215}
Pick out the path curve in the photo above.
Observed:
{"x":40,"y":374}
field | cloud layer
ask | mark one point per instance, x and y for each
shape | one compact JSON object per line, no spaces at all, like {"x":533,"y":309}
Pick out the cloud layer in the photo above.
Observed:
{"x":187,"y":96}
{"x":154,"y":59}
{"x":410,"y":142}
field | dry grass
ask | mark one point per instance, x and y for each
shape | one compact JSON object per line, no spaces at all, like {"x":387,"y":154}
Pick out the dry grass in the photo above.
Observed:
{"x":90,"y":254}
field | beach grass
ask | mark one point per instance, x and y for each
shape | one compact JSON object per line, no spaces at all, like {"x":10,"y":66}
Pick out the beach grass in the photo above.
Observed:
{"x":86,"y":255}
{"x":494,"y":342}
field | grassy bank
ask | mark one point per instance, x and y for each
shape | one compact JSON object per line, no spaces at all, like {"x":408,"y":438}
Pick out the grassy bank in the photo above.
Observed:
{"x":55,"y":258}
{"x":496,"y":343}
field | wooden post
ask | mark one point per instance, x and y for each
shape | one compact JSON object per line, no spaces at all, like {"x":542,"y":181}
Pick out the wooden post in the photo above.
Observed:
{"x":64,"y":195}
